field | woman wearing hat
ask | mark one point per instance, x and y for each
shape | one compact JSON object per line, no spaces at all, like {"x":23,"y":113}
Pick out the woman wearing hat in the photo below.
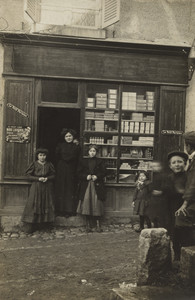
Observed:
{"x":91,"y":173}
{"x":67,"y":156}
{"x":175,"y":190}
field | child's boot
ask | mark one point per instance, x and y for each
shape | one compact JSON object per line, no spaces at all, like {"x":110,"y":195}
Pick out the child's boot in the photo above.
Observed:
{"x":98,"y":226}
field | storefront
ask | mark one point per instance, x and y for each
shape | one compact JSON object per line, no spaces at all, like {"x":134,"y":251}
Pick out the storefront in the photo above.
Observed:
{"x":127,"y":98}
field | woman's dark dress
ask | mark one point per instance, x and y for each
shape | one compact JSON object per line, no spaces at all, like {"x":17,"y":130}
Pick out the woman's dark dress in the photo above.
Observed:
{"x":40,"y":204}
{"x":91,"y":193}
{"x":67,"y":155}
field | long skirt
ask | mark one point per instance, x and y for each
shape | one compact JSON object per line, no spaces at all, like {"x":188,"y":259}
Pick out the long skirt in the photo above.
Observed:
{"x":40,"y":204}
{"x":90,"y":205}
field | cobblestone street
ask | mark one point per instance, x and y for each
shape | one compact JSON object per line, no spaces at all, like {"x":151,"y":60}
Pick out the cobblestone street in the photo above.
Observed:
{"x":67,"y":264}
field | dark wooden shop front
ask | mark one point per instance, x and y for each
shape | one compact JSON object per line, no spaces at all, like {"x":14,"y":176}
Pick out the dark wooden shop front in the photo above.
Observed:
{"x":127,"y":98}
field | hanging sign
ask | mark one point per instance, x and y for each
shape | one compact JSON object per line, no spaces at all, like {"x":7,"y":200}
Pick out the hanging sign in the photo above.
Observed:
{"x":18,"y":134}
{"x":18,"y":110}
{"x":171,"y":132}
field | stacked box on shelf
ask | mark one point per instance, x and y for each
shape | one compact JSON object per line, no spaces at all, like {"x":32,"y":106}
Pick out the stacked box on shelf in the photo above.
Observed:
{"x":152,"y":128}
{"x":112,"y":98}
{"x":101,"y":100}
{"x":143,"y":141}
{"x":150,"y":100}
{"x":89,"y":114}
{"x":99,"y":125}
{"x":109,"y":114}
{"x":142,"y":127}
{"x":141,"y":104}
{"x":90,"y":102}
{"x":137,"y":116}
{"x":116,"y":116}
{"x":129,"y":101}
{"x":126,"y":140}
{"x":136,"y":127}
{"x":99,"y":115}
{"x":148,"y":118}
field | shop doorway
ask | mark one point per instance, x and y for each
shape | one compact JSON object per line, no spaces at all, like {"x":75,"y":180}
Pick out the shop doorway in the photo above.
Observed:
{"x":50,"y":123}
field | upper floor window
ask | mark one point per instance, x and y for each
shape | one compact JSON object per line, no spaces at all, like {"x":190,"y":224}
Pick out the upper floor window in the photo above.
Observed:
{"x":77,"y":13}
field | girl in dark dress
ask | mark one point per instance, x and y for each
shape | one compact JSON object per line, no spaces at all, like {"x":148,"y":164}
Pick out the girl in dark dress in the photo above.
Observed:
{"x":91,"y":173}
{"x":67,"y":155}
{"x":141,"y":198}
{"x":40,"y":204}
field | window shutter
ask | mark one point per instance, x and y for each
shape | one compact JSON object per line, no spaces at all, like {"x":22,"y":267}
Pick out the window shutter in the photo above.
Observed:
{"x":34,"y":10}
{"x":110,"y":12}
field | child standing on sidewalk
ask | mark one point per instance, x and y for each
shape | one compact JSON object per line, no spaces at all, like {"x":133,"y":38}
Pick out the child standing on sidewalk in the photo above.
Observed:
{"x":91,"y":173}
{"x":39,"y":208}
{"x":141,"y":198}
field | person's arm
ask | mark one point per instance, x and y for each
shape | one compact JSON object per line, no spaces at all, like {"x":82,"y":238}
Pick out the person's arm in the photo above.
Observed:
{"x":52,"y":172}
{"x":101,"y":171}
{"x":134,"y":197}
{"x":189,"y":194}
{"x":30,"y":172}
{"x":82,"y":171}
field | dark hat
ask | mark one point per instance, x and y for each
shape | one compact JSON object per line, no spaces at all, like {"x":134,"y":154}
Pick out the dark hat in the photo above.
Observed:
{"x":189,"y":137}
{"x":177,"y":153}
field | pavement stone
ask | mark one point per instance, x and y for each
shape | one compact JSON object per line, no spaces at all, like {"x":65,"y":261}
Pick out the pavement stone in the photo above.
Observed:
{"x":61,"y":233}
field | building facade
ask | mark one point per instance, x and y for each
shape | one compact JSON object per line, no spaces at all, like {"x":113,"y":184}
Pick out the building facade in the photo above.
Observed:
{"x":111,"y":84}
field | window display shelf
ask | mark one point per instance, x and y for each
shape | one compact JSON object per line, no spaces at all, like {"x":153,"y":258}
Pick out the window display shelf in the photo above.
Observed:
{"x":99,"y":144}
{"x":135,"y":146}
{"x":120,"y":119}
{"x":143,"y":169}
{"x":138,"y":111}
{"x":102,"y":119}
{"x":101,"y":132}
{"x":101,"y":109}
{"x":136,"y":158}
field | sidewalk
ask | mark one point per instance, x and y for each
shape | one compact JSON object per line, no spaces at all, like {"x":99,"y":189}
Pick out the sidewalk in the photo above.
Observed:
{"x":69,"y":264}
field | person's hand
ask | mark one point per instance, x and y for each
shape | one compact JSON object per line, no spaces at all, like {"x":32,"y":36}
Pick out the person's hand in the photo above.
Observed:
{"x":45,"y":179}
{"x":181,"y":211}
{"x":41,"y":179}
{"x":156,"y":193}
{"x":75,"y":141}
{"x":133,"y":204}
{"x":88,"y":177}
{"x":94,"y":177}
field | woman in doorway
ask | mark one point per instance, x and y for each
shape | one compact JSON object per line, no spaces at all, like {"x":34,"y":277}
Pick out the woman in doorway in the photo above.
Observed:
{"x":91,"y":173}
{"x":67,"y":155}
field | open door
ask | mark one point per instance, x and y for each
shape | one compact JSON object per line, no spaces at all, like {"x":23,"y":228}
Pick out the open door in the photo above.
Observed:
{"x":50,"y":123}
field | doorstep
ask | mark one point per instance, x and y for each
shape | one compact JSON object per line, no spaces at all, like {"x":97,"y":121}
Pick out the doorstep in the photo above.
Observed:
{"x":10,"y":219}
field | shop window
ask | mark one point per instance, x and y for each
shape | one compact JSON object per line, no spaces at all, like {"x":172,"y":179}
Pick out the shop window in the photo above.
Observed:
{"x":60,"y":91}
